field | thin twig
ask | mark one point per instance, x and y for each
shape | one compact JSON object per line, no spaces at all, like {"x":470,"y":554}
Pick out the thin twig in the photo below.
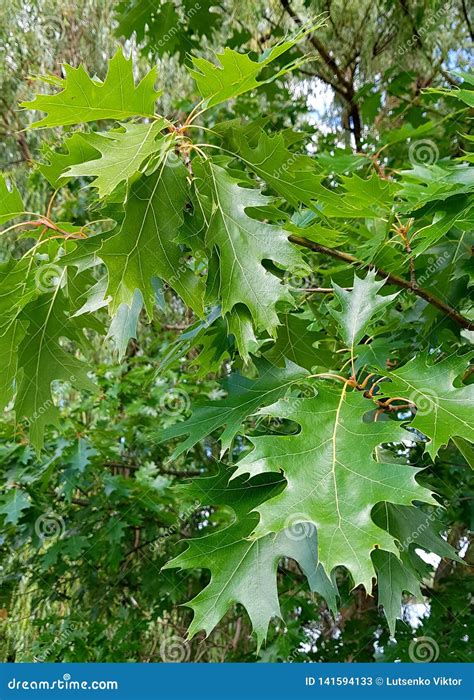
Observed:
{"x":390,"y":277}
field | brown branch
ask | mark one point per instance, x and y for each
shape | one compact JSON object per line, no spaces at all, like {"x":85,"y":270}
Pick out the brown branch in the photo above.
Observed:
{"x":345,"y":88}
{"x":390,"y":277}
{"x":468,"y":21}
{"x":80,"y":502}
{"x":185,"y":473}
{"x":176,"y":326}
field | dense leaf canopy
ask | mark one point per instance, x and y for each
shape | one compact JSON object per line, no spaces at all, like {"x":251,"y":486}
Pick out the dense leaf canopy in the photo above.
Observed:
{"x":236,"y":327}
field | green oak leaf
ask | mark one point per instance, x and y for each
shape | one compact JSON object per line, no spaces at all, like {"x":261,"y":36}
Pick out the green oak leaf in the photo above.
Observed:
{"x":11,"y":335}
{"x":444,"y":411}
{"x":124,"y":324}
{"x":84,"y":99}
{"x":466,"y":449}
{"x":75,"y":149}
{"x":237,"y":73}
{"x":358,"y":307}
{"x":413,"y":527}
{"x":370,"y":198}
{"x":165,"y":29}
{"x":438,"y":197}
{"x":213,"y":348}
{"x":244,"y":397}
{"x":193,"y":336}
{"x":297,"y":343}
{"x":424,"y":184}
{"x":292,"y":175}
{"x":134,"y":17}
{"x":241,"y":328}
{"x":122,"y":154}
{"x":143,"y":248}
{"x":243,"y":570}
{"x":443,"y":217}
{"x":18,"y":288}
{"x":243,"y":243}
{"x":393,"y":579}
{"x":464,"y":93}
{"x":13,"y":504}
{"x":333,"y":478}
{"x":11,"y":204}
{"x":93,"y":298}
{"x":42,"y":360}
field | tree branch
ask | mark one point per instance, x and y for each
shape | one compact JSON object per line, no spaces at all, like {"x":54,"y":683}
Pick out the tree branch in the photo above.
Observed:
{"x":345,"y":87}
{"x":318,"y":45}
{"x":468,"y":21}
{"x":390,"y":277}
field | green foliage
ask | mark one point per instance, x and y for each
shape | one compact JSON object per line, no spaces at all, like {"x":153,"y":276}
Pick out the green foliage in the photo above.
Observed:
{"x":123,"y":153}
{"x":444,"y":411}
{"x":237,"y":73}
{"x":290,"y":303}
{"x":143,"y":248}
{"x":358,"y":307}
{"x":244,"y":397}
{"x":330,"y":458}
{"x":243,"y":569}
{"x":243,"y":243}
{"x":11,"y":204}
{"x":83,"y":99}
